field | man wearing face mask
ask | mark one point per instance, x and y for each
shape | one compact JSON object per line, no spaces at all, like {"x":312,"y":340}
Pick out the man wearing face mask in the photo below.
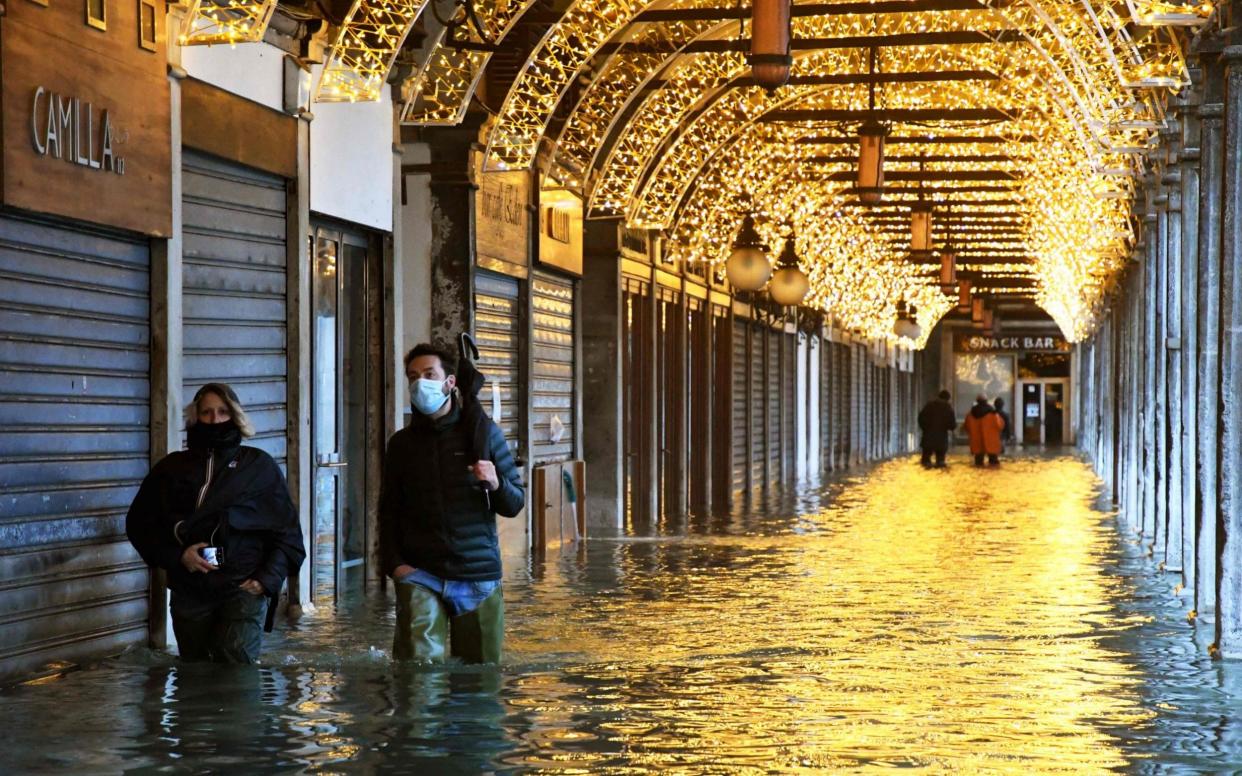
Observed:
{"x":446,"y":477}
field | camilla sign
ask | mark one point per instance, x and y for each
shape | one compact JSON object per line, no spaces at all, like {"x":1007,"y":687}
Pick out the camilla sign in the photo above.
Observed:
{"x":66,"y":128}
{"x":1033,"y":342}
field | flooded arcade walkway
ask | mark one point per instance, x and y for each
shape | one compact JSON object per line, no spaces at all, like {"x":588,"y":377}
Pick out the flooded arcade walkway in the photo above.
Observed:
{"x":958,"y":620}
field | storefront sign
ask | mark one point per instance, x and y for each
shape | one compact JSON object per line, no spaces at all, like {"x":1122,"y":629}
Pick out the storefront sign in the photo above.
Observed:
{"x":66,"y":128}
{"x":1031,"y":342}
{"x":560,"y":231}
{"x":87,"y":131}
{"x":503,"y":220}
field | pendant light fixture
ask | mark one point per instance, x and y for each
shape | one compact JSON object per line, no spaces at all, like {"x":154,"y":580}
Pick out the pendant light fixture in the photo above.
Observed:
{"x":871,"y":137}
{"x":977,"y":307}
{"x":770,"y":32}
{"x":747,"y":268}
{"x":964,"y":286}
{"x":921,"y":219}
{"x":948,"y":271}
{"x":789,"y":284}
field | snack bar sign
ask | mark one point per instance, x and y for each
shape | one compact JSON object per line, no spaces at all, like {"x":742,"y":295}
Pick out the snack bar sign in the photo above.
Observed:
{"x":1040,"y":342}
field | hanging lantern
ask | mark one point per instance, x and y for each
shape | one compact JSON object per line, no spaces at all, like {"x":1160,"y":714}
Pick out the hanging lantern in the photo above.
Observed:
{"x":789,"y":285}
{"x":964,"y":286}
{"x":989,"y":320}
{"x":871,"y":162}
{"x":770,"y":31}
{"x":948,"y":271}
{"x":921,"y":226}
{"x":747,"y":268}
{"x":977,"y":308}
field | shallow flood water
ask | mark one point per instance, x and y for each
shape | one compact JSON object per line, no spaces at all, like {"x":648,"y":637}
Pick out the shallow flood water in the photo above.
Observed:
{"x":955,"y":621}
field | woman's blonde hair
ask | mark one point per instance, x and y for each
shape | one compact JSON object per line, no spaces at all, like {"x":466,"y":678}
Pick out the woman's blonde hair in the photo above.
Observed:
{"x":226,"y":395}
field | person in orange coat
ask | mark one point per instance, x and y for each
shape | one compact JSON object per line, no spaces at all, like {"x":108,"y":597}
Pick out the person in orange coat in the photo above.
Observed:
{"x":984,"y":427}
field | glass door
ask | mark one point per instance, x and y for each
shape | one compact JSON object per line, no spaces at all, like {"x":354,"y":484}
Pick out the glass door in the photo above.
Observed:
{"x":1032,"y":414}
{"x":1054,"y":413}
{"x":339,"y":412}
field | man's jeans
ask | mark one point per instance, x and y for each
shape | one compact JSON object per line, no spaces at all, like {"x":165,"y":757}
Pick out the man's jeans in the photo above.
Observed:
{"x":437,"y":616}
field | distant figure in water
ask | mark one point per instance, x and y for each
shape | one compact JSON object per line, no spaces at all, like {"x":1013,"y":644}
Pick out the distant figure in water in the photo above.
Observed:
{"x":937,"y":421}
{"x":984,"y":426}
{"x":1007,"y":430}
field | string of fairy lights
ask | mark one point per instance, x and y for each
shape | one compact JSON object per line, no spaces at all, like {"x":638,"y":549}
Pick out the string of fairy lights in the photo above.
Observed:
{"x":664,"y":131}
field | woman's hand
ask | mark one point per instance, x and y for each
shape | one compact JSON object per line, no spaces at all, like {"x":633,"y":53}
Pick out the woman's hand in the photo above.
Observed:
{"x":402,"y":571}
{"x":253,"y":587}
{"x":194,"y":562}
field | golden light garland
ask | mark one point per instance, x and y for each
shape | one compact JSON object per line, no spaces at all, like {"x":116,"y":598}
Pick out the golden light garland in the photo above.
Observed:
{"x":357,"y":65}
{"x":669,"y":140}
{"x":225,"y":21}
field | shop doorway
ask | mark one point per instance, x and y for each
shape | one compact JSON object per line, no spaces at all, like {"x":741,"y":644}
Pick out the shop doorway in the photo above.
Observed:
{"x":1045,"y":413}
{"x":346,"y":398}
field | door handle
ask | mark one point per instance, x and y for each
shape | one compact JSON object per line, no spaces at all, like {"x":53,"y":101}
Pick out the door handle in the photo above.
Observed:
{"x":330,"y":461}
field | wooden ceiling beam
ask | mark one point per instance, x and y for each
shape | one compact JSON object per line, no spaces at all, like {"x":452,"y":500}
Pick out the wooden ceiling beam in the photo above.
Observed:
{"x":816,"y":9}
{"x":891,"y":114}
{"x":929,"y":139}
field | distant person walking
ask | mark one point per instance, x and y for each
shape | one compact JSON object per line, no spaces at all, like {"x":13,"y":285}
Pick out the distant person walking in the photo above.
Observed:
{"x":984,"y":426}
{"x":937,"y":421}
{"x":1007,"y":430}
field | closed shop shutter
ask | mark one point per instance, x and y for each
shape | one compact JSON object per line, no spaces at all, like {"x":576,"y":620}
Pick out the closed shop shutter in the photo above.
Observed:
{"x":74,"y":441}
{"x":235,"y":301}
{"x":758,"y":406}
{"x":741,"y":399}
{"x":789,"y":404}
{"x":552,"y":363}
{"x":498,"y":333}
{"x":775,"y":380}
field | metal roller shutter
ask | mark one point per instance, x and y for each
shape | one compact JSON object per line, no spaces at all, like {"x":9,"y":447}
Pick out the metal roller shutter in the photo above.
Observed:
{"x":741,"y":399}
{"x":552,"y":359}
{"x":235,"y":301}
{"x":75,"y":323}
{"x":775,"y":383}
{"x":498,"y":333}
{"x":758,"y":406}
{"x":789,"y":404}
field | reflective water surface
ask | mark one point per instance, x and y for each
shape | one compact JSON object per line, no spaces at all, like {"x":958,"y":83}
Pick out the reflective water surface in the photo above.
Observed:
{"x":954,"y":621}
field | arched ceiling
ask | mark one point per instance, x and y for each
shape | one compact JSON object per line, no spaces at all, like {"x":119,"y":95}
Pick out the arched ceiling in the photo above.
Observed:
{"x":1026,"y":123}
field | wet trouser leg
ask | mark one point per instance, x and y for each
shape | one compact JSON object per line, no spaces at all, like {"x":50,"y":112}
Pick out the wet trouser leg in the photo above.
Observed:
{"x":940,"y":453}
{"x":239,"y":629}
{"x":422,"y":625}
{"x":993,"y":459}
{"x":228,"y":631}
{"x":477,"y":636}
{"x":979,"y":459}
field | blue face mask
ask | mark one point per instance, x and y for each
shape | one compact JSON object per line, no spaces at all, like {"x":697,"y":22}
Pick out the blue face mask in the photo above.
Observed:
{"x":427,"y":396}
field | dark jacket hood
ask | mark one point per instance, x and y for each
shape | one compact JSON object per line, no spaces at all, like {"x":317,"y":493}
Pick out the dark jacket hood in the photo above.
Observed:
{"x":981,"y":409}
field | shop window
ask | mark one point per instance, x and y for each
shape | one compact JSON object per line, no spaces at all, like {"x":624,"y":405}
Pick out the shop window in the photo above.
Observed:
{"x":97,"y":14}
{"x":146,"y":24}
{"x":1044,"y":365}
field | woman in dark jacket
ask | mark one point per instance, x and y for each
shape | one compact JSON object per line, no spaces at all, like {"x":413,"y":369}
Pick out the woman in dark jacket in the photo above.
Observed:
{"x":218,"y":519}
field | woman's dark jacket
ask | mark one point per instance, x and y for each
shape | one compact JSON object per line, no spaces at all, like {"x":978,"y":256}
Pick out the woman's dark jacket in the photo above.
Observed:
{"x":937,"y":420}
{"x":246,"y":511}
{"x":433,"y":514}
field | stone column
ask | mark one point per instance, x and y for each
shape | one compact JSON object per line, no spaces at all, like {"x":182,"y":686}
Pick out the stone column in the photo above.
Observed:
{"x":1171,"y":348}
{"x":452,"y":189}
{"x":1189,"y":163}
{"x":1207,"y":303}
{"x":1229,"y":584}
{"x":1150,"y":363}
{"x":603,"y":415}
{"x":1160,"y":412}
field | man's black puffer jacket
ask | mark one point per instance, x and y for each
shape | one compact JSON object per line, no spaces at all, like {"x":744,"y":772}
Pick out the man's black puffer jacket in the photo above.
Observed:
{"x":433,"y":515}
